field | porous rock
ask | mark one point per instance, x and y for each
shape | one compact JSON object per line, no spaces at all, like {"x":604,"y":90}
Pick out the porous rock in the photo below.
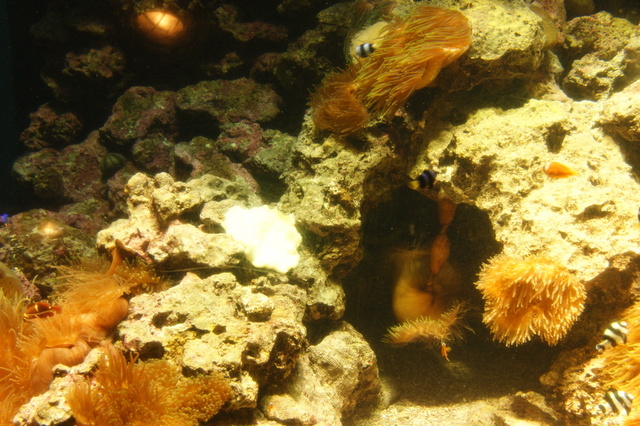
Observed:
{"x":508,"y":41}
{"x":495,"y":160}
{"x":50,"y":125}
{"x":87,"y":74}
{"x":595,"y":45}
{"x":330,"y":379}
{"x":326,"y":191}
{"x":621,"y":114}
{"x":72,"y":174}
{"x":45,"y":241}
{"x":229,"y":101}
{"x":139,"y":113}
{"x":152,"y":231}
{"x":251,"y":331}
{"x":51,"y":408}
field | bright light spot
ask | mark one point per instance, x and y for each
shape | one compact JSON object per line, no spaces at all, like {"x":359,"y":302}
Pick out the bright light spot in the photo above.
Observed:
{"x":160,"y":26}
{"x":50,"y":228}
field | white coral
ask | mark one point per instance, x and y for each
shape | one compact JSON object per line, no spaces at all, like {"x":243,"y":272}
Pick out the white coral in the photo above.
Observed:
{"x":269,"y":237}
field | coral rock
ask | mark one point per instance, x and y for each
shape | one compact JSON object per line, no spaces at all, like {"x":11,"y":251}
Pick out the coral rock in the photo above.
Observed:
{"x":218,"y":324}
{"x":330,"y":379}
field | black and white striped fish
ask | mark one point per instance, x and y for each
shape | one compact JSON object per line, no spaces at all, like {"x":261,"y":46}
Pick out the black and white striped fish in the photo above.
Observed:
{"x":365,"y":49}
{"x":618,"y":401}
{"x":614,"y":335}
{"x":426,"y":180}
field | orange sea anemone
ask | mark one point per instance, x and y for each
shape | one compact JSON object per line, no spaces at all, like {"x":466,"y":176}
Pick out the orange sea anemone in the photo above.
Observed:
{"x":15,"y":388}
{"x":91,"y":304}
{"x":425,"y":303}
{"x":409,"y":54}
{"x":527,"y":297}
{"x":435,"y":331}
{"x":335,"y":106}
{"x":152,"y":392}
{"x":622,"y":363}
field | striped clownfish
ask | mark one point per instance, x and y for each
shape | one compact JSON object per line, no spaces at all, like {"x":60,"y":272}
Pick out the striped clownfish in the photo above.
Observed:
{"x":365,"y":49}
{"x":426,"y":180}
{"x":614,"y":335}
{"x":617,"y":401}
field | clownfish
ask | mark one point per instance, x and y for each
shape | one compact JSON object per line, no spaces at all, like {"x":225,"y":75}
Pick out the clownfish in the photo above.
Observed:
{"x":365,"y":49}
{"x":557,"y":170}
{"x":614,"y":335}
{"x":426,"y":180}
{"x":618,"y":402}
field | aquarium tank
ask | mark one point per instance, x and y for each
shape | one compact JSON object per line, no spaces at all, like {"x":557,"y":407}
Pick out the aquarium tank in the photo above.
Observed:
{"x":320,"y":212}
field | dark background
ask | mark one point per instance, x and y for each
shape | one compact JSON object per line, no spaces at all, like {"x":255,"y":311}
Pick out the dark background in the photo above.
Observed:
{"x":21,"y":91}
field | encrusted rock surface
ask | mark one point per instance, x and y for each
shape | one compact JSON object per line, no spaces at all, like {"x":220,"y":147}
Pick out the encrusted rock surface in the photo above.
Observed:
{"x":229,"y":101}
{"x":155,"y":201}
{"x":50,"y":125}
{"x":329,"y":380}
{"x":251,"y":331}
{"x":621,"y":113}
{"x":72,"y":174}
{"x":495,"y":160}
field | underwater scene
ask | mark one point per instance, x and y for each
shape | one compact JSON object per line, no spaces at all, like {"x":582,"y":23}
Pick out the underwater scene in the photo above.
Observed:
{"x":319,"y":212}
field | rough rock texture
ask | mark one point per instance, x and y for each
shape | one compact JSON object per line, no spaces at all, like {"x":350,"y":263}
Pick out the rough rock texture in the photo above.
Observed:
{"x":51,"y":407}
{"x":72,"y":174}
{"x":328,"y":381}
{"x":45,"y":242}
{"x":153,"y":202}
{"x":200,"y":157}
{"x":508,"y":41}
{"x":229,"y":101}
{"x":326,"y":191}
{"x":141,"y":112}
{"x":87,"y":74}
{"x":494,"y":161}
{"x":621,"y":113}
{"x":251,"y":331}
{"x":595,"y":45}
{"x":50,"y":126}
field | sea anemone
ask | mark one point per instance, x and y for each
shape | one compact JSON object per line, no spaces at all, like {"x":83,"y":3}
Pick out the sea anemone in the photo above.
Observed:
{"x":532,"y":296}
{"x":10,"y":284}
{"x":623,"y":363}
{"x":417,"y":293}
{"x":435,"y":331}
{"x":335,"y":106}
{"x":56,"y":340}
{"x":425,"y":304}
{"x":91,"y":303}
{"x":409,"y":54}
{"x":153,"y":392}
{"x":15,"y":388}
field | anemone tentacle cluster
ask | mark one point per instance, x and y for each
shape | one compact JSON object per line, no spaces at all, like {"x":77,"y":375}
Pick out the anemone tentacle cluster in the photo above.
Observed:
{"x":409,"y":56}
{"x":36,"y":337}
{"x":527,"y":297}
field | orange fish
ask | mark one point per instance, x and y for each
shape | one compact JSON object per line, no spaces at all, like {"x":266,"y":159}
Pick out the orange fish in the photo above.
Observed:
{"x":557,"y":170}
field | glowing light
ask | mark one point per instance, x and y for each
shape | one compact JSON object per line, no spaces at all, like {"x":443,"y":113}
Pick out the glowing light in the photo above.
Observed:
{"x":50,"y":229}
{"x":161,"y":26}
